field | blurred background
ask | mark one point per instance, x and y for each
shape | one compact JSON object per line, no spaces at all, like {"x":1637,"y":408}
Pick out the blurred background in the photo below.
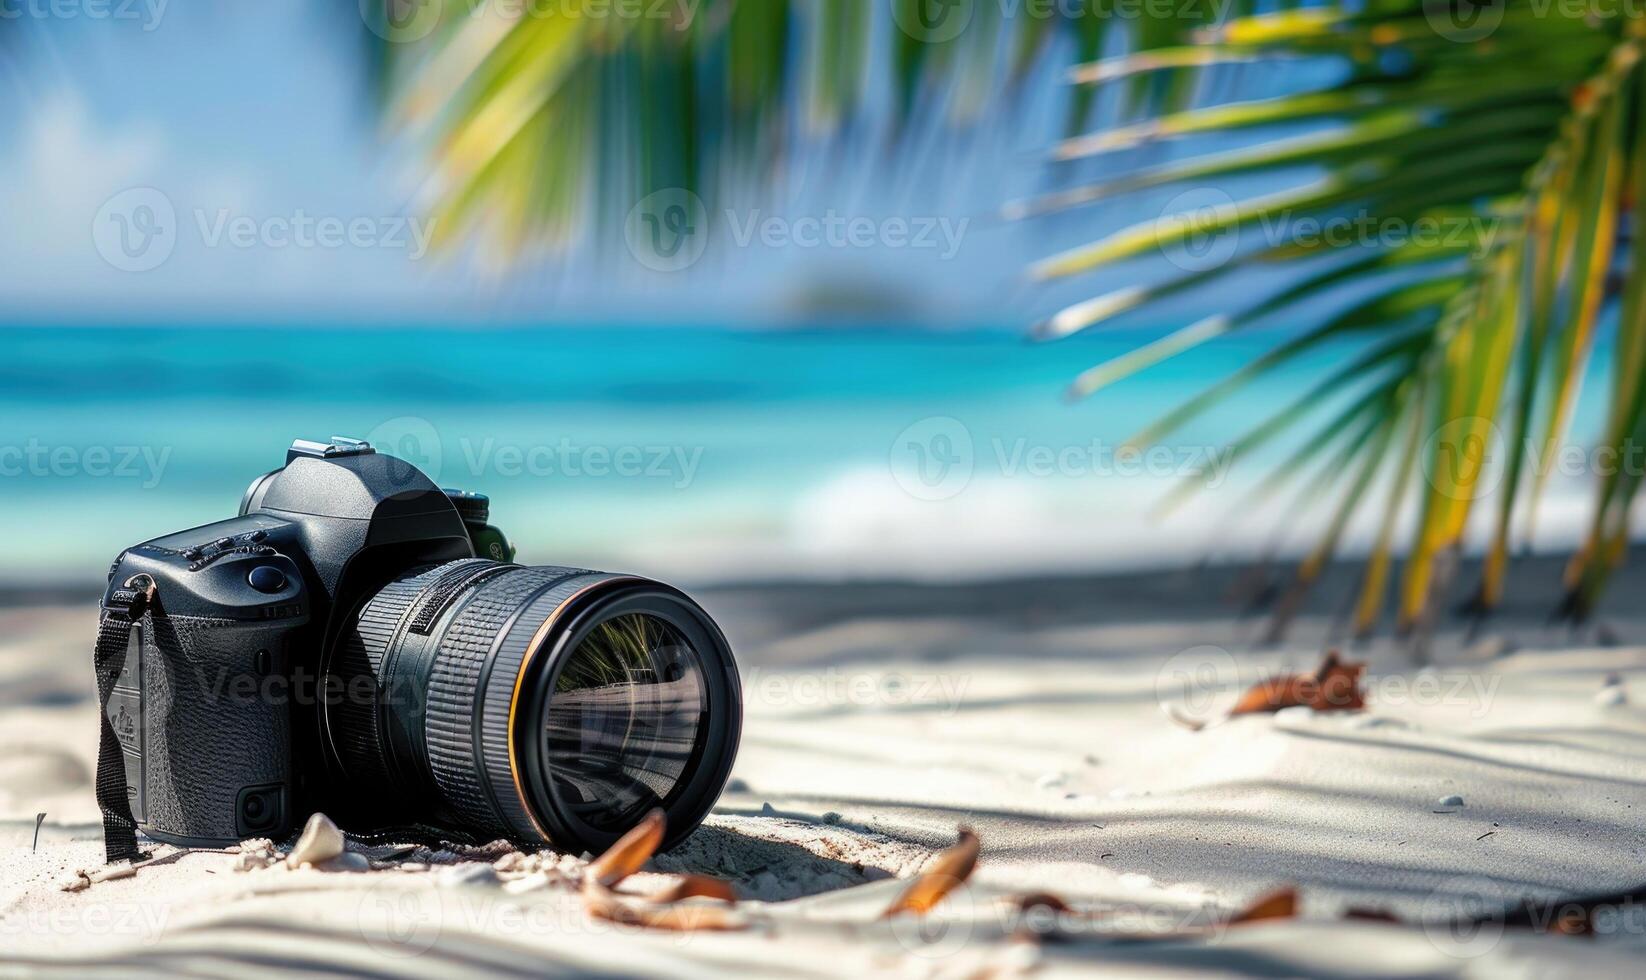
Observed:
{"x":772,"y":302}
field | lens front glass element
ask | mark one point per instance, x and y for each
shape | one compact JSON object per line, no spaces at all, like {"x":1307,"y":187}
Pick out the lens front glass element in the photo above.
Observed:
{"x":622,"y":722}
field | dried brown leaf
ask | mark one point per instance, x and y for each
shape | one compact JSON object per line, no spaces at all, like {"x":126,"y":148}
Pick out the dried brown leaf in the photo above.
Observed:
{"x":1281,"y":904}
{"x":1334,"y":686}
{"x":1041,"y":900}
{"x":945,"y":874}
{"x":630,"y":853}
{"x":695,"y":886}
{"x":602,"y":903}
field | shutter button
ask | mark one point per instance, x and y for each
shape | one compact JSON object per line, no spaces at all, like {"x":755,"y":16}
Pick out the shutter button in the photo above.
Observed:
{"x":267,"y":578}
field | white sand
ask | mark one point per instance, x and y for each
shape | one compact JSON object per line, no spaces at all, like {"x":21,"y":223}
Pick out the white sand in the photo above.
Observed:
{"x":870,"y":736}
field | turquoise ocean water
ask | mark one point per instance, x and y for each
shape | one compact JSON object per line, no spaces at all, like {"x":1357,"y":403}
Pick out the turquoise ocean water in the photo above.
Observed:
{"x":696,"y":453}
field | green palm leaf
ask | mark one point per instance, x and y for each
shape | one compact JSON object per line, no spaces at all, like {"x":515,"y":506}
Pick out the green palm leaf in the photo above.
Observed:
{"x":1528,"y":142}
{"x":1536,"y":131}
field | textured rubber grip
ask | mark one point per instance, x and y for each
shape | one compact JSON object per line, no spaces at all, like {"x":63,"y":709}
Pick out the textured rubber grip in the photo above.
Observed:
{"x":360,"y":667}
{"x":435,"y":601}
{"x":470,"y":781}
{"x":441,"y":650}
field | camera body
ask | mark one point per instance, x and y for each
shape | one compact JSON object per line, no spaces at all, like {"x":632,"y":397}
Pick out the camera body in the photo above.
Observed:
{"x":218,"y":708}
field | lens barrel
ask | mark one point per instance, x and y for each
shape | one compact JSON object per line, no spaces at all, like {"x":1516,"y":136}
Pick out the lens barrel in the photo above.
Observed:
{"x":548,"y":705}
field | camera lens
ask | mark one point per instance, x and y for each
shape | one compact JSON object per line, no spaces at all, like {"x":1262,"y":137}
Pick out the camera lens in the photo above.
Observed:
{"x":550,"y":705}
{"x":618,"y":729}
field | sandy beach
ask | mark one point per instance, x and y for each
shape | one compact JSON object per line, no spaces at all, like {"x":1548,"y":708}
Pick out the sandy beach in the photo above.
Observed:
{"x":1054,"y":717}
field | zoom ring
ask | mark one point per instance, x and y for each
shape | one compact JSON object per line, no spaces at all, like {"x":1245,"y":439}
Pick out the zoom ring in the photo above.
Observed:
{"x":364,"y":652}
{"x":467,"y":737}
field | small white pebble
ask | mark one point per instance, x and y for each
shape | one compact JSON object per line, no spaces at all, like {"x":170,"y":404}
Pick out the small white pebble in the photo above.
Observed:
{"x":348,"y":861}
{"x":1450,"y":802}
{"x":1612,"y":696}
{"x":468,"y":874}
{"x":1380,"y":721}
{"x":320,"y":841}
{"x":530,"y":883}
{"x":1051,"y":780}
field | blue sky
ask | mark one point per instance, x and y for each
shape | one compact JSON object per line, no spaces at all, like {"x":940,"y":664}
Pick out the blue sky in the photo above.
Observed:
{"x":262,"y":112}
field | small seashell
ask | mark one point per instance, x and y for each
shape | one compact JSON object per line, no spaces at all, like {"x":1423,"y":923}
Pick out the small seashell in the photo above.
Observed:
{"x":320,"y":841}
{"x":251,"y":862}
{"x":513,"y":861}
{"x":1449,"y":802}
{"x":767,"y":810}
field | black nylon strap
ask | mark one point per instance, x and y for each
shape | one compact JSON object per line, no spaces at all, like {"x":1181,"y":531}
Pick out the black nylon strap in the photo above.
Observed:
{"x":109,"y":656}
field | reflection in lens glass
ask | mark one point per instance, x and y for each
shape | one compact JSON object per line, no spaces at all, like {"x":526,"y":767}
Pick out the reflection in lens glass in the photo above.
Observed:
{"x":623,"y":720}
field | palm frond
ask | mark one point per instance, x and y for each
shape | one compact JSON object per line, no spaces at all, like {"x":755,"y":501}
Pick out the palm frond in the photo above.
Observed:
{"x":1534,"y":134}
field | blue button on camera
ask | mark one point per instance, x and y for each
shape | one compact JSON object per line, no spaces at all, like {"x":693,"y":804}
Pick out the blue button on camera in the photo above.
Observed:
{"x":267,"y":578}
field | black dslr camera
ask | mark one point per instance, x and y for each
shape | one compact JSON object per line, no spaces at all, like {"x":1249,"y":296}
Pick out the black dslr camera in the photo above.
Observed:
{"x":339,"y":647}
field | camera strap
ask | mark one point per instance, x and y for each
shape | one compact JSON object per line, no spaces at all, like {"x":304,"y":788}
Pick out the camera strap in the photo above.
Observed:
{"x":124,"y":608}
